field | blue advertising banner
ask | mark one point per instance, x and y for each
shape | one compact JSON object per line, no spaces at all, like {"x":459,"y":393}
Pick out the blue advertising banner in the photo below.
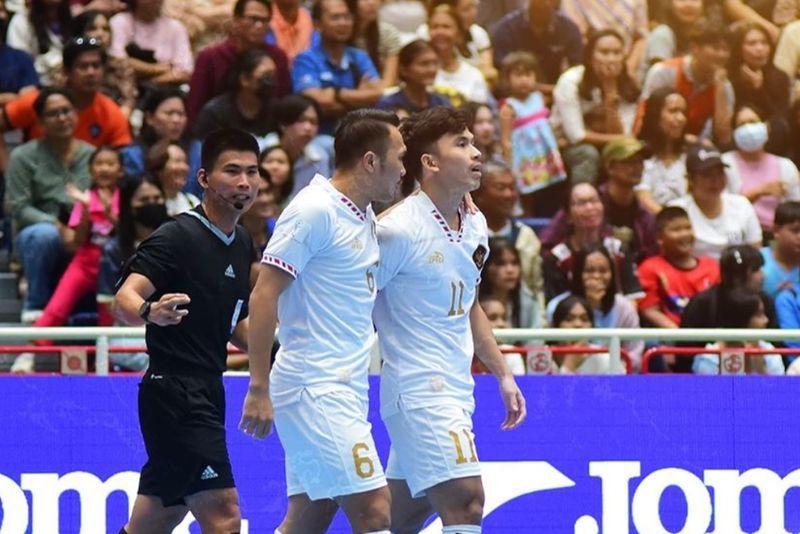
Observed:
{"x":611,"y":455}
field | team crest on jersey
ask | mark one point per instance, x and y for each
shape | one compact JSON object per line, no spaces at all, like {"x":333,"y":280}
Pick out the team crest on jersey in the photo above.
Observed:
{"x":479,"y":256}
{"x":436,"y":257}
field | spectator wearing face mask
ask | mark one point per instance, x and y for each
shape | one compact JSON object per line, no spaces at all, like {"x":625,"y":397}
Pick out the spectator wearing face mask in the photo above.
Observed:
{"x":765,"y":179}
{"x":247,"y":105}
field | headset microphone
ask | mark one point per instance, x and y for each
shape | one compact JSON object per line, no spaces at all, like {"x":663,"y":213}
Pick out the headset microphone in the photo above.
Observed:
{"x":235,"y":203}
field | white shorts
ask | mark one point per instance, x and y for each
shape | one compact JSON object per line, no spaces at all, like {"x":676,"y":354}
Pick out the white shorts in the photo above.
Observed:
{"x":431,"y":445}
{"x":328,"y":444}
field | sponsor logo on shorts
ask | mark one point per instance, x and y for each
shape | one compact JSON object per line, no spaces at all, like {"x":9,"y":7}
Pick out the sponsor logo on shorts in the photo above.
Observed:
{"x":208,"y":473}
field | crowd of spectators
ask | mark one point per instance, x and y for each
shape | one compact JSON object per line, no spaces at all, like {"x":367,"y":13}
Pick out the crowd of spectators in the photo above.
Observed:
{"x":640,"y":157}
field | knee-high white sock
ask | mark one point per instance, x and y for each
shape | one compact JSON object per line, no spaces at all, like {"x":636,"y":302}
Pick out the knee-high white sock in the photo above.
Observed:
{"x":461,"y":529}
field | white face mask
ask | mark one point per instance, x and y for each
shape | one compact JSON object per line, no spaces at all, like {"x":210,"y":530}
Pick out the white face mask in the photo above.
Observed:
{"x":751,"y":137}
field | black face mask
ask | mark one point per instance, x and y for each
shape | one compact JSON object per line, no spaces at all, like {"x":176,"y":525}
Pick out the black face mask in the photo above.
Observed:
{"x":150,"y":215}
{"x":265,"y":88}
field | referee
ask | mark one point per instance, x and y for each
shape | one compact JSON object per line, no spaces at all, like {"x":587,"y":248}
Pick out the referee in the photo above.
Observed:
{"x":189,"y":283}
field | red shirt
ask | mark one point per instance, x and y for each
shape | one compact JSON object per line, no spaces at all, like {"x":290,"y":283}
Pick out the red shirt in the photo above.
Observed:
{"x":211,"y":65}
{"x":99,"y":123}
{"x":670,"y":287}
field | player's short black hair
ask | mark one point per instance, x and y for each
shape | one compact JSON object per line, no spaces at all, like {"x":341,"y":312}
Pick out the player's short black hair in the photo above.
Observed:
{"x":667,"y":215}
{"x":47,"y":92}
{"x":362,"y":131}
{"x":787,"y":213}
{"x":422,"y":130}
{"x":223,"y":140}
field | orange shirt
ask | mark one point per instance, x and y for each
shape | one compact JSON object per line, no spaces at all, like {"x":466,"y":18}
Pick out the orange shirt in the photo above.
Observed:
{"x":292,"y":38}
{"x":99,"y":123}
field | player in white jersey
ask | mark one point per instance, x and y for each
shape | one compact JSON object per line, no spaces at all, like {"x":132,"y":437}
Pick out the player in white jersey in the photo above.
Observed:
{"x":430,"y":325}
{"x":318,"y":278}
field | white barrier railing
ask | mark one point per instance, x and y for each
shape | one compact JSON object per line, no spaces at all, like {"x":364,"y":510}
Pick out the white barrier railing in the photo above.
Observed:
{"x":614,"y":336}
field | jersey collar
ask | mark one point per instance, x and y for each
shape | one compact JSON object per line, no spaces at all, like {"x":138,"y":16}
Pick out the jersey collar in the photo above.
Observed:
{"x":200,"y":215}
{"x":454,"y":236}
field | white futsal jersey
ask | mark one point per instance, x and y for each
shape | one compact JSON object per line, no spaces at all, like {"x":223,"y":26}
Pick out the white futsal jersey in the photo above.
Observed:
{"x":427,"y":282}
{"x":330,"y":247}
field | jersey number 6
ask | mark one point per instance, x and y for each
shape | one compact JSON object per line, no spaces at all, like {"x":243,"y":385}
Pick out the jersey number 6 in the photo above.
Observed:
{"x":364,"y":466}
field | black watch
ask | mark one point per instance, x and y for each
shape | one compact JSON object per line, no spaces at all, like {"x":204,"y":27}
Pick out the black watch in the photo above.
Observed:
{"x":144,"y":311}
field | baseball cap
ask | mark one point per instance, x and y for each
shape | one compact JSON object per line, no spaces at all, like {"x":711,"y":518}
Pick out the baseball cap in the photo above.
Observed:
{"x":621,"y":148}
{"x":700,"y":157}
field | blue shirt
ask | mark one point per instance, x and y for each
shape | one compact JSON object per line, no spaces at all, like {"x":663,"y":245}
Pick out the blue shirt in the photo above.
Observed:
{"x":314,"y":69}
{"x":776,"y":278}
{"x":399,"y":100}
{"x":17,"y":71}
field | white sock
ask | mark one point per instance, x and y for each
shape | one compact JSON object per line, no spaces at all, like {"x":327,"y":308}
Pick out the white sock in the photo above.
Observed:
{"x":379,"y":532}
{"x":461,"y":529}
{"x":277,"y":531}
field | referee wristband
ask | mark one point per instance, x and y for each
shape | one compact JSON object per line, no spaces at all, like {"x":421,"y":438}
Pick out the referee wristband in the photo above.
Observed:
{"x":144,"y":311}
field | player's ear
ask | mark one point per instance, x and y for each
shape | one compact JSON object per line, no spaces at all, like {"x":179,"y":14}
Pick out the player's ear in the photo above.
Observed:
{"x":201,"y":177}
{"x":429,"y":162}
{"x":370,"y":161}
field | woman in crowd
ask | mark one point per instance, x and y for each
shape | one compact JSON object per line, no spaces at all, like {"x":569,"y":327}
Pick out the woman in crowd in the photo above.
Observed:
{"x":719,"y":218}
{"x":380,"y":39}
{"x":119,"y":81}
{"x":167,"y":161}
{"x":259,"y":220}
{"x":764,"y":179}
{"x":248,"y":103}
{"x":594,"y":103}
{"x":164,"y":118}
{"x":758,"y":82}
{"x":740,"y":266}
{"x":275,"y":165}
{"x":41,"y":31}
{"x":477,"y":49}
{"x":594,"y":278}
{"x":671,"y":39}
{"x":502,"y":279}
{"x":483,"y":126}
{"x":663,"y":130}
{"x":297,"y":117}
{"x":454,"y":72}
{"x":585,"y":218}
{"x":417,"y":68}
{"x":575,"y":312}
{"x":141,"y":211}
{"x":157,"y":46}
{"x":744,"y":308}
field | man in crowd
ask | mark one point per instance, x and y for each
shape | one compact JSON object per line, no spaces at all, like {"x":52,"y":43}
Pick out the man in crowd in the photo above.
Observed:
{"x":250,"y":26}
{"x":339,"y":77}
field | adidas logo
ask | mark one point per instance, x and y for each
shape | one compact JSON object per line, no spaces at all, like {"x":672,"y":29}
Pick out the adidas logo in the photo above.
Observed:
{"x":208,"y":473}
{"x":229,"y":271}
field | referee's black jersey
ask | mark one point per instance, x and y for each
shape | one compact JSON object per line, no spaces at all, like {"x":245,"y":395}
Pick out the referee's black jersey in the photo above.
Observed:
{"x":190,"y":255}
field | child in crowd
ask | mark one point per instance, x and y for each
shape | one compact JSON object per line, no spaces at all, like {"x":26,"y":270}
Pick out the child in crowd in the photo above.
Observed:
{"x":534,"y":158}
{"x":675,"y":275}
{"x":744,"y":308}
{"x":495,"y":311}
{"x":91,"y":223}
{"x":575,"y":312}
{"x":782,"y":257}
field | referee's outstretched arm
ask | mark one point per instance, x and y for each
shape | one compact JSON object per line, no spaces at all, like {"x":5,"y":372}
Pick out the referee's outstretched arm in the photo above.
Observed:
{"x":257,"y":408}
{"x":131,"y":297}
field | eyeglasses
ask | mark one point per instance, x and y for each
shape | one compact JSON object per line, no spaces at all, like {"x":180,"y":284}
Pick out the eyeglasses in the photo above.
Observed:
{"x":58,"y":113}
{"x":85,"y":40}
{"x":585,"y":202}
{"x":255,"y":19}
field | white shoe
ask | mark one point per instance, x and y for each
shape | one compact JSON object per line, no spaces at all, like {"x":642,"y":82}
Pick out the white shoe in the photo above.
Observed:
{"x":23,"y":364}
{"x":30,"y":316}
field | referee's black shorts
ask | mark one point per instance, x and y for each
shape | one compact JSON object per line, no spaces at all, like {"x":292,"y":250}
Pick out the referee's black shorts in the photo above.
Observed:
{"x":183,"y":424}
